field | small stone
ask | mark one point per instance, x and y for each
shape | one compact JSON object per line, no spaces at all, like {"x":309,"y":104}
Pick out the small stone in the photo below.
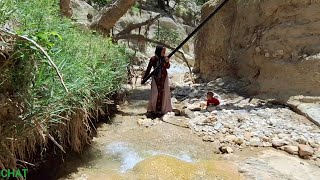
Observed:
{"x":317,"y":153}
{"x":146,"y":122}
{"x":230,"y":126}
{"x":211,"y":84}
{"x":305,"y":150}
{"x":230,"y":138}
{"x":188,"y":113}
{"x":194,"y":94}
{"x":174,"y":100}
{"x":255,"y":142}
{"x":140,"y":122}
{"x":247,"y":135}
{"x":302,"y":140}
{"x":314,"y":145}
{"x":208,"y":138}
{"x":210,"y":119}
{"x":258,"y":50}
{"x":280,"y":52}
{"x":241,"y":119}
{"x":224,"y":130}
{"x":168,"y":116}
{"x":255,"y":134}
{"x":274,"y":55}
{"x":291,"y":149}
{"x":194,"y":107}
{"x":238,"y":140}
{"x":266,"y":144}
{"x":218,"y":126}
{"x":310,"y":141}
{"x":278,"y":143}
{"x":265,"y":139}
{"x":219,"y":80}
{"x":282,"y":136}
{"x":267,"y":55}
{"x":226,"y":149}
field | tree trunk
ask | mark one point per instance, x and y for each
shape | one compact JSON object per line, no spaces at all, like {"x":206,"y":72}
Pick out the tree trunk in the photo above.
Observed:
{"x":65,"y":7}
{"x":109,"y":15}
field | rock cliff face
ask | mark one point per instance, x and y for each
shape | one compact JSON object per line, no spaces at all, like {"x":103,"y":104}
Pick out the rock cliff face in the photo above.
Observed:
{"x":275,"y":44}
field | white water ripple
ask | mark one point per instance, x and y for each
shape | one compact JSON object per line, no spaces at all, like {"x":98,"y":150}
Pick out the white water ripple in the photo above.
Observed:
{"x":129,"y":157}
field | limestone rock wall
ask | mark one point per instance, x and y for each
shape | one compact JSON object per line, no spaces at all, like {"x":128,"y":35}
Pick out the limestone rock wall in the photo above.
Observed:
{"x":275,"y":44}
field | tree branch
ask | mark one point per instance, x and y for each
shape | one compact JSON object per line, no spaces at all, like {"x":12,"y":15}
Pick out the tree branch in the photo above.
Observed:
{"x":132,"y":26}
{"x":43,"y":51}
{"x":56,"y":143}
{"x":65,"y":8}
{"x":109,"y":15}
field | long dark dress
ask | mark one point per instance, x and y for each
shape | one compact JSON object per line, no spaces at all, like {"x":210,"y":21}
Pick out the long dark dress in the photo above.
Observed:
{"x":160,"y":100}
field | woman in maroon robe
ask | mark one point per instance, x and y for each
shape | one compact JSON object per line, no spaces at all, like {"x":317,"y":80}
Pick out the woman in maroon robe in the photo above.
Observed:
{"x":160,"y":99}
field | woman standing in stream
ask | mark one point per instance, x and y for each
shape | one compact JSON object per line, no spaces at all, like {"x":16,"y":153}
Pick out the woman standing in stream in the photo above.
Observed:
{"x":160,"y":99}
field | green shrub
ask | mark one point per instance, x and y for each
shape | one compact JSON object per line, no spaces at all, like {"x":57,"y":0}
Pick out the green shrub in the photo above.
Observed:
{"x":168,"y":36}
{"x":92,"y":68}
{"x":135,"y":9}
{"x":6,"y":9}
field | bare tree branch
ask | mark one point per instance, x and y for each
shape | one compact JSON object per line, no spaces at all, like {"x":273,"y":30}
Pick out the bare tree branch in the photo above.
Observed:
{"x":55,"y":142}
{"x":131,"y":26}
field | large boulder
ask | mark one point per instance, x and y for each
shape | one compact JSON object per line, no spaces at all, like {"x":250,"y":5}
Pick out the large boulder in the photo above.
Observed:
{"x":305,"y":150}
{"x":82,"y":12}
{"x":307,"y":106}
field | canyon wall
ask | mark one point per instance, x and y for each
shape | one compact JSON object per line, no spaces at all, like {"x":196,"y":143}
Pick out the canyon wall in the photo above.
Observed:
{"x":274,"y":44}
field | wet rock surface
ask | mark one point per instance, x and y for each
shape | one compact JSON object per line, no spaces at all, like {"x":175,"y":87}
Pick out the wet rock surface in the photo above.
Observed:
{"x":275,"y":165}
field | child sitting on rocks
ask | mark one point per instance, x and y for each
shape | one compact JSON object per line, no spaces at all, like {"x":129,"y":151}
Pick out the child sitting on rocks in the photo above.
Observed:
{"x":211,"y":100}
{"x":210,"y":103}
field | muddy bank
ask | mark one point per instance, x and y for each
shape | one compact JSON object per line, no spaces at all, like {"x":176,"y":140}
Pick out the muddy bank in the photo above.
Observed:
{"x":50,"y":164}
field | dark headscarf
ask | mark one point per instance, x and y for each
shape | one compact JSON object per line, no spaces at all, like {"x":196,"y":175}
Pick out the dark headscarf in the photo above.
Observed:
{"x":158,"y":50}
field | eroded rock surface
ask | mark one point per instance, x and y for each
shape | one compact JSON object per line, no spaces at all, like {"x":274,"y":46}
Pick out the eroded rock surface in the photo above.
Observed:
{"x":277,"y":48}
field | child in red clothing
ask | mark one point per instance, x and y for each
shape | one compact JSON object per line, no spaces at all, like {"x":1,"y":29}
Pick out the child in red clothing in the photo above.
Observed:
{"x":211,"y":100}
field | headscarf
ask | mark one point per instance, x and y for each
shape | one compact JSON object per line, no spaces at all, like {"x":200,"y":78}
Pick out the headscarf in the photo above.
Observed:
{"x":158,"y":51}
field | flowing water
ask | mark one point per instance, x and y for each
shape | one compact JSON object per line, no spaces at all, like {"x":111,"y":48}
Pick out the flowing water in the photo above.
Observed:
{"x":120,"y":160}
{"x":119,"y":156}
{"x":126,"y":150}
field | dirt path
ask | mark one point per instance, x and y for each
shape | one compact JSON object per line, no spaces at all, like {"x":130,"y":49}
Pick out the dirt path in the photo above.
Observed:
{"x":135,"y":147}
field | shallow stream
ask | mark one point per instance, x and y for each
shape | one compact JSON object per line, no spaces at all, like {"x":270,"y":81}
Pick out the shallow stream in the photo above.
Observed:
{"x":120,"y":160}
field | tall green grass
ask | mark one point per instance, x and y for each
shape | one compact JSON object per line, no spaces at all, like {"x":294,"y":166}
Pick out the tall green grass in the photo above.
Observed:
{"x":92,"y":66}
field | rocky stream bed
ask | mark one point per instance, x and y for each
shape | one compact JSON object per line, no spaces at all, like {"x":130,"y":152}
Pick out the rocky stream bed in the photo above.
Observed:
{"x":242,"y":138}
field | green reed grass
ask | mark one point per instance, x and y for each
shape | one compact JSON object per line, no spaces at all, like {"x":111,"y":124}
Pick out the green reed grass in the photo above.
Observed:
{"x":92,"y":66}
